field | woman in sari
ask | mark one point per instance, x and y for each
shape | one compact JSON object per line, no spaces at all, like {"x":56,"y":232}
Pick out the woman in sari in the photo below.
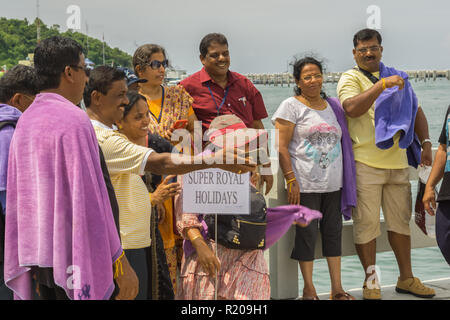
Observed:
{"x":166,"y":105}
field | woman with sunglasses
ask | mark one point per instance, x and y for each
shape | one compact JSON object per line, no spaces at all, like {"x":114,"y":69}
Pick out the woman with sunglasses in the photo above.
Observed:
{"x":316,"y":158}
{"x":166,"y":104}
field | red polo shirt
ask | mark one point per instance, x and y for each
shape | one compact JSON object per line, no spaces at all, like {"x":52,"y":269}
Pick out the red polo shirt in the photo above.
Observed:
{"x":243,"y":99}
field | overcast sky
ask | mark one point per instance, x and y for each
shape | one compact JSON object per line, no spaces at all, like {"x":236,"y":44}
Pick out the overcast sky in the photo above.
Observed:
{"x":263,"y":35}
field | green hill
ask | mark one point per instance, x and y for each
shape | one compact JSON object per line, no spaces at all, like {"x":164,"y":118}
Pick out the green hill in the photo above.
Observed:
{"x":18,"y":39}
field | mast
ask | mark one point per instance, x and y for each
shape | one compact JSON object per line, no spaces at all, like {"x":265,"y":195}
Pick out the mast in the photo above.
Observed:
{"x":38,"y":23}
{"x":87,"y":40}
{"x":103,"y":38}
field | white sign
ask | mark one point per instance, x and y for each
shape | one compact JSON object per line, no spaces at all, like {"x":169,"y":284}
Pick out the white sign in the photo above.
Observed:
{"x":216,"y":191}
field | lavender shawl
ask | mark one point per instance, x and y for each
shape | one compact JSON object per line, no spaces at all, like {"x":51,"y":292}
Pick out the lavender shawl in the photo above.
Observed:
{"x":7,"y":113}
{"x":58,"y":212}
{"x":348,"y":194}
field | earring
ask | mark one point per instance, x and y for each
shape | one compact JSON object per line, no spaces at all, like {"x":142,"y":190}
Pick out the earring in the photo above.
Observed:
{"x":119,"y":126}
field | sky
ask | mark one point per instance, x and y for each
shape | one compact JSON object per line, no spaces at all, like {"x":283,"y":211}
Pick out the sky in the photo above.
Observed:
{"x":263,"y":36}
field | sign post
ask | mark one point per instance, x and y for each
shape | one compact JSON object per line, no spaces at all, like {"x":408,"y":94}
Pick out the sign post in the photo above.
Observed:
{"x":218,"y":192}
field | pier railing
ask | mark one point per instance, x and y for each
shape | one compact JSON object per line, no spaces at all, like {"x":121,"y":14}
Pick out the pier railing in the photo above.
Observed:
{"x":282,"y":79}
{"x":284,"y":270}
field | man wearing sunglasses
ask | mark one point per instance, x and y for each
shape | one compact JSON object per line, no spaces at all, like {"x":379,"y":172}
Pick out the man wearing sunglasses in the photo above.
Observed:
{"x":217,"y":91}
{"x":60,"y":227}
{"x":382,"y":176}
{"x":17,"y":90}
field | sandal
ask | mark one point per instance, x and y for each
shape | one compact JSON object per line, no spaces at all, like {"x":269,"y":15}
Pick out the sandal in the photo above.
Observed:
{"x":342,"y":296}
{"x":310,"y":298}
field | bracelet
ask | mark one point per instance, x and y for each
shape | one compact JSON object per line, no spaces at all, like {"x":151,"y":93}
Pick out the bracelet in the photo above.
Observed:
{"x":118,"y":264}
{"x":292,"y":171}
{"x":426,"y":140}
{"x":196,"y":237}
{"x":289,"y":183}
{"x":384,"y":83}
{"x":291,"y":180}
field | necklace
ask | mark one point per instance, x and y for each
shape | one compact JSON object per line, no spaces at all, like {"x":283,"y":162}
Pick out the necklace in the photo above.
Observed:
{"x":320,"y":106}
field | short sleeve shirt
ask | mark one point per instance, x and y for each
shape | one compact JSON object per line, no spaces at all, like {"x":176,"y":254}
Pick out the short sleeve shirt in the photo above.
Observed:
{"x":315,"y":147}
{"x":362,"y":128}
{"x":124,"y":160}
{"x":241,"y":98}
{"x":444,"y":192}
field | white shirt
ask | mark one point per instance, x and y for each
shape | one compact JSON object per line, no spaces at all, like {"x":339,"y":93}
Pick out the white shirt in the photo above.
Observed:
{"x":315,"y":147}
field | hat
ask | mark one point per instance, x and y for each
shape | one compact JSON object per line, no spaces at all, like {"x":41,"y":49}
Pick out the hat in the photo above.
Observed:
{"x":131,"y":77}
{"x":232,"y":127}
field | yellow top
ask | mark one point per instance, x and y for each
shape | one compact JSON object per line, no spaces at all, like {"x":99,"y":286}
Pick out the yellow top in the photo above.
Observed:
{"x":155,"y":108}
{"x":125,"y":161}
{"x":362,"y":129}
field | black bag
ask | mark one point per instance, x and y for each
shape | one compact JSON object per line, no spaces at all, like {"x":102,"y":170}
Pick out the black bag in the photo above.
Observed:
{"x":243,"y":232}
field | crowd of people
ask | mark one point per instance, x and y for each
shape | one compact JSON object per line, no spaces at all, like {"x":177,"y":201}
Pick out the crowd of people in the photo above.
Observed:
{"x":91,"y":195}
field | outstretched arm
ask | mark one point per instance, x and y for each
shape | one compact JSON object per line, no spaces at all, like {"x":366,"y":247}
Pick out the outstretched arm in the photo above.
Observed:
{"x":171,"y":163}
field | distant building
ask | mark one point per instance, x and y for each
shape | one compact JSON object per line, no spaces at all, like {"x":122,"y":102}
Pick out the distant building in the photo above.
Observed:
{"x":29,"y":61}
{"x":174,"y":76}
{"x":89,"y":63}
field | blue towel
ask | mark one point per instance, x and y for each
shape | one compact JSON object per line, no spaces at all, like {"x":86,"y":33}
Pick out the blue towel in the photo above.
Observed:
{"x":395,"y":110}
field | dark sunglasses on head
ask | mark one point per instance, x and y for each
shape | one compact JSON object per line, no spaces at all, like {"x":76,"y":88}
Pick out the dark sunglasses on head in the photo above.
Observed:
{"x":156,"y":64}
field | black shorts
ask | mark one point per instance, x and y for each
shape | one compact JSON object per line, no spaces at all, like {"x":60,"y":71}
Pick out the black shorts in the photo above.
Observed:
{"x":329,"y":204}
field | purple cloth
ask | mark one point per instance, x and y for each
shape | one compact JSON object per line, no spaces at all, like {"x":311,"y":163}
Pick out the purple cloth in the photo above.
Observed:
{"x":279,"y":219}
{"x":58,"y":212}
{"x":348,"y":194}
{"x":7,"y":113}
{"x":395,"y":110}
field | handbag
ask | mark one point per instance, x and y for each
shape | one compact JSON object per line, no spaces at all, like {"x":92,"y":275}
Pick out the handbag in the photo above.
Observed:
{"x":242,"y":232}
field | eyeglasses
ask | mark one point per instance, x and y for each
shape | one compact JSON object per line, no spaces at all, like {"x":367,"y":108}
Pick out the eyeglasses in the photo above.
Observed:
{"x":156,"y":64}
{"x":372,"y":49}
{"x":84,"y":68}
{"x":216,"y":55}
{"x":315,"y":76}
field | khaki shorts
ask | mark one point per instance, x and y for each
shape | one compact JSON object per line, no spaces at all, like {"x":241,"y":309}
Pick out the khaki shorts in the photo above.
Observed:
{"x":388,"y":188}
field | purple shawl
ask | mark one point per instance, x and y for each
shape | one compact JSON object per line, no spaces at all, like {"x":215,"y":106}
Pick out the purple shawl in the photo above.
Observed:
{"x":7,"y":113}
{"x":58,"y":212}
{"x":279,"y":219}
{"x":348,"y":195}
{"x":395,"y":110}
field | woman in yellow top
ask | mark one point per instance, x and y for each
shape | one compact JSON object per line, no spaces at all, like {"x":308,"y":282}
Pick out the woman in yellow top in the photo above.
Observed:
{"x":166,"y":104}
{"x":134,"y":126}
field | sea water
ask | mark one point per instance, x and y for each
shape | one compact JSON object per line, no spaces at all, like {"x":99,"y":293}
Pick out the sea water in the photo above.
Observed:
{"x":427,"y":263}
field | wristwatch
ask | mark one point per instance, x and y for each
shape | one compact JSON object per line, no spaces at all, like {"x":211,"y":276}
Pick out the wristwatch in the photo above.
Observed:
{"x":426,"y":140}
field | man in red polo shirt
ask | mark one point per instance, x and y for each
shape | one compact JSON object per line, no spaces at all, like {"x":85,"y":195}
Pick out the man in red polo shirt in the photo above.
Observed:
{"x":218,"y":91}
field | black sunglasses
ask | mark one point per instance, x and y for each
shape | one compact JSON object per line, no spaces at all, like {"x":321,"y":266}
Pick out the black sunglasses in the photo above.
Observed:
{"x":156,"y":64}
